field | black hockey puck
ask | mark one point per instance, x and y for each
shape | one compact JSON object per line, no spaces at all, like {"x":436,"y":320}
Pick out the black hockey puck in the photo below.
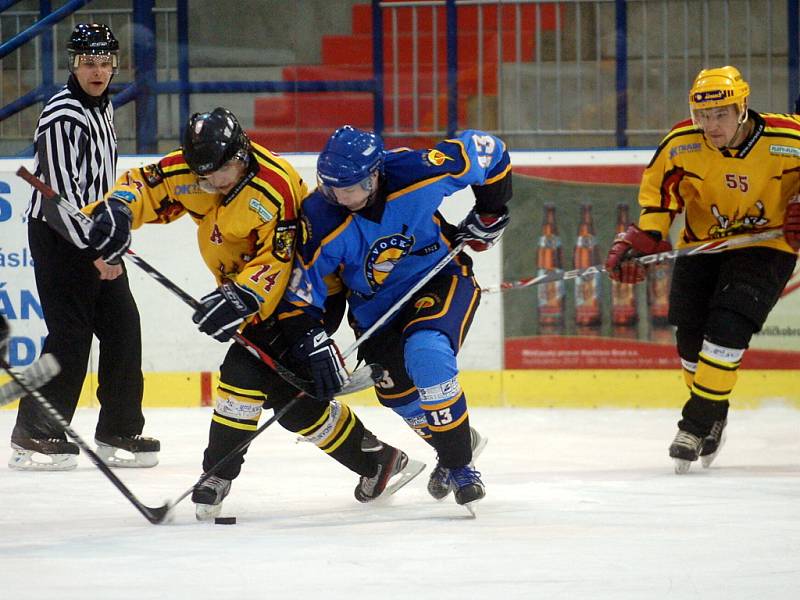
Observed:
{"x":225,"y":521}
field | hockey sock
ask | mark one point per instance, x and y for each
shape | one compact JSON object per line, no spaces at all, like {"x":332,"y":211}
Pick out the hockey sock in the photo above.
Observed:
{"x":431,"y":362}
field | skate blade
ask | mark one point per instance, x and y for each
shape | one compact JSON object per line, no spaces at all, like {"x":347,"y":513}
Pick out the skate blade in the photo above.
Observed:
{"x":682,"y":465}
{"x":471,"y":509}
{"x":411,"y":470}
{"x":22,"y":460}
{"x":476,"y":451}
{"x":140,"y":460}
{"x":709,"y":458}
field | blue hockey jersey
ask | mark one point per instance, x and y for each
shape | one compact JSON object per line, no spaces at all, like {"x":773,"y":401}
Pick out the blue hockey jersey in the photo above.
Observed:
{"x":382,"y":250}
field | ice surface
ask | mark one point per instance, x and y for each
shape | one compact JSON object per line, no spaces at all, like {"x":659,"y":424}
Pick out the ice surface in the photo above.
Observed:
{"x":580,"y":504}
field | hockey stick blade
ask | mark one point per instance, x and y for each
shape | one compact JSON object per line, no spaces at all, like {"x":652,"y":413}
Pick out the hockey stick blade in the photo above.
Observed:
{"x":153,"y":514}
{"x":362,"y":379}
{"x":33,"y":376}
{"x":59,"y":203}
{"x":706,"y":248}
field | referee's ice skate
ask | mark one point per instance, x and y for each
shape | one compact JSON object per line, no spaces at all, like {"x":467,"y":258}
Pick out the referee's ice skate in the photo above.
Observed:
{"x":137,"y":451}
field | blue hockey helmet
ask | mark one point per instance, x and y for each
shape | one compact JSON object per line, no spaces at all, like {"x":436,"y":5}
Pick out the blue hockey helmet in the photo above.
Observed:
{"x":349,"y":157}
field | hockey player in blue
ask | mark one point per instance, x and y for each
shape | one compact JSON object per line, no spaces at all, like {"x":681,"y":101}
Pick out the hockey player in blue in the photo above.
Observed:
{"x":373,"y":221}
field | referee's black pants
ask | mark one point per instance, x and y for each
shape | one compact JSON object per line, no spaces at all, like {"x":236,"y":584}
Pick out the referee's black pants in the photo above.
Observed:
{"x":77,"y":304}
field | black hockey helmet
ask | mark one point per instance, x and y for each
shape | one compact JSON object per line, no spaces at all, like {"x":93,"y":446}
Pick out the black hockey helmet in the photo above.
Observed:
{"x":92,"y":39}
{"x":213,"y":138}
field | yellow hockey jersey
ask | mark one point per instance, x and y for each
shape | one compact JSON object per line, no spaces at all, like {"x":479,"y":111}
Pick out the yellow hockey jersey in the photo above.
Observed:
{"x":723,"y":193}
{"x":247,"y":235}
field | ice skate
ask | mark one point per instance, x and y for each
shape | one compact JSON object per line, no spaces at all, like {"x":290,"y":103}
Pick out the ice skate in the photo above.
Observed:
{"x":395,"y":470}
{"x":208,"y":496}
{"x":468,"y":487}
{"x":439,"y":481}
{"x":684,"y":450}
{"x":60,"y":454}
{"x":713,"y":443}
{"x":138,"y":451}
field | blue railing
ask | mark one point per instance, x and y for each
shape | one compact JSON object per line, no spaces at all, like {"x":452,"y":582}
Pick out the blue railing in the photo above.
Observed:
{"x":146,"y":86}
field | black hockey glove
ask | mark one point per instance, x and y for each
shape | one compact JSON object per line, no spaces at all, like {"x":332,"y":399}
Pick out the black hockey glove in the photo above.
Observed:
{"x":481,"y":231}
{"x":111,"y":229}
{"x":222,"y":311}
{"x":319,"y":352}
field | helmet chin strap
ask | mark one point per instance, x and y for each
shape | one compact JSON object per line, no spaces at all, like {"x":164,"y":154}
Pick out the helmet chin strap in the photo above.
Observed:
{"x":742,"y":120}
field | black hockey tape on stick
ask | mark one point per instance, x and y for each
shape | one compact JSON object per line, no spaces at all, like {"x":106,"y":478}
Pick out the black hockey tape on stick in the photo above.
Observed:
{"x":649,"y":259}
{"x":361,"y":379}
{"x":153,"y":514}
{"x":33,"y":376}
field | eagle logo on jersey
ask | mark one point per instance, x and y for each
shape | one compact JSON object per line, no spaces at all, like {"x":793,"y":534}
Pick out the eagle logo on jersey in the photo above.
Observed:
{"x":727,"y":226}
{"x":382,"y":257}
{"x":436,"y":157}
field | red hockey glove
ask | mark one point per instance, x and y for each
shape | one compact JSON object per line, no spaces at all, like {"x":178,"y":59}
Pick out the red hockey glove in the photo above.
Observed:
{"x":791,"y":223}
{"x":629,"y":245}
{"x":481,"y":231}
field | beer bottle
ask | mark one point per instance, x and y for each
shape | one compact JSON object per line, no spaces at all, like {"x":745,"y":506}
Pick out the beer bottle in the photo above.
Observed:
{"x":550,"y":296}
{"x":658,"y":284}
{"x":624,"y":306}
{"x":587,"y":287}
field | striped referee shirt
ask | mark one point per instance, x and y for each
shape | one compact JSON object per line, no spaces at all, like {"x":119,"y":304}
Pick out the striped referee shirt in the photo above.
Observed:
{"x":75,"y":152}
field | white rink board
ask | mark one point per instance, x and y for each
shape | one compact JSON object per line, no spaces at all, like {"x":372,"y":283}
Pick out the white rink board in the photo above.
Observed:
{"x":171,"y":342}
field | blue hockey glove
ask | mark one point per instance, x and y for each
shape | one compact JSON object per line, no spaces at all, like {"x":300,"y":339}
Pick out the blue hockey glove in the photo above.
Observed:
{"x":110,"y":233}
{"x":481,"y":231}
{"x":319,"y":352}
{"x":222,"y":311}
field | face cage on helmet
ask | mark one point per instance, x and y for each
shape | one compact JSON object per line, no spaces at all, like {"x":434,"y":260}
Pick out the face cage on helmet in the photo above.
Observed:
{"x":365,"y":184}
{"x":75,"y":60}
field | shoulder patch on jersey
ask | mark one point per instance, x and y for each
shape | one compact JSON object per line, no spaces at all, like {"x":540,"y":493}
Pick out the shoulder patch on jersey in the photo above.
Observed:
{"x":123,"y":196}
{"x":780,"y":150}
{"x":684,"y":148}
{"x":435,"y":157}
{"x":283,"y":240}
{"x":260,"y":210}
{"x":152,"y":175}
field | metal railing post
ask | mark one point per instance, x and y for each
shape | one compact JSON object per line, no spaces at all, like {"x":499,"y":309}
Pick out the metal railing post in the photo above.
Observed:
{"x":621,"y":21}
{"x":144,"y":54}
{"x":793,"y":50}
{"x":46,"y":62}
{"x":377,"y":64}
{"x":452,"y":68}
{"x":182,"y":19}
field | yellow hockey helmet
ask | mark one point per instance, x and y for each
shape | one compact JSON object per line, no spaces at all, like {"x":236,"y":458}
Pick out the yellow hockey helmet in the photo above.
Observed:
{"x":719,"y":87}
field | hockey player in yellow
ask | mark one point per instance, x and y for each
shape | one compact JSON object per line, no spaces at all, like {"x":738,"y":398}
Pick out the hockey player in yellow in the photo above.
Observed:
{"x":245,"y":201}
{"x":730,"y":170}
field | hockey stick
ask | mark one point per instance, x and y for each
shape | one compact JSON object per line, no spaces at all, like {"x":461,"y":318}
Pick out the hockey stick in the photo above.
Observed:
{"x":399,"y":304}
{"x":359,"y":380}
{"x":153,"y":514}
{"x":649,"y":259}
{"x":241,"y":447}
{"x":33,"y":376}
